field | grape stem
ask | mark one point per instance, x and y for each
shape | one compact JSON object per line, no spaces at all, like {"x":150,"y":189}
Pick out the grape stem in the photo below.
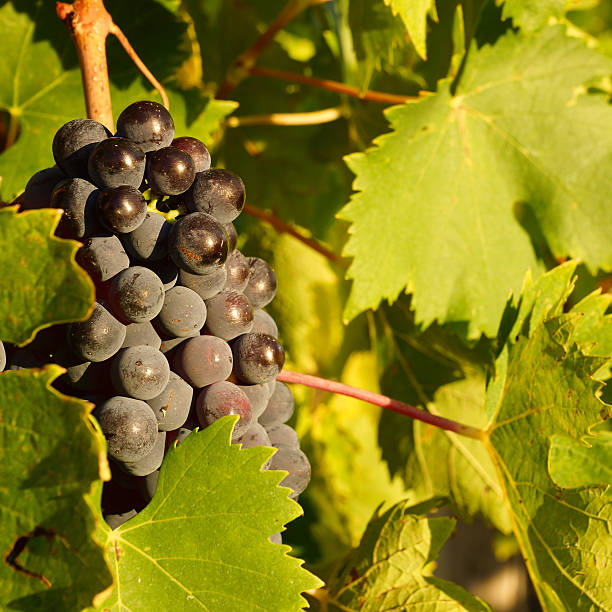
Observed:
{"x":281,"y":226}
{"x":307,"y":118}
{"x":383,"y":401}
{"x":89,"y":23}
{"x":342,"y":88}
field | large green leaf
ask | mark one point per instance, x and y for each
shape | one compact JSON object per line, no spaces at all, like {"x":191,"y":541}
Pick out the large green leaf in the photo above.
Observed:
{"x":202,"y":543}
{"x":389,"y":570}
{"x":41,"y":283}
{"x":50,"y":457}
{"x":565,"y":535}
{"x":529,"y":15}
{"x":435,"y":212}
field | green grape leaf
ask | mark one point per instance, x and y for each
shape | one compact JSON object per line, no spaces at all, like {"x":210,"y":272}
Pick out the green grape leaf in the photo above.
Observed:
{"x":530,"y":16}
{"x":414,"y":15}
{"x":388,"y":571}
{"x":573,"y":464}
{"x":203,"y":539}
{"x":435,"y":212}
{"x":50,"y":457}
{"x":564,"y":534}
{"x":41,"y":284}
{"x":40,"y":84}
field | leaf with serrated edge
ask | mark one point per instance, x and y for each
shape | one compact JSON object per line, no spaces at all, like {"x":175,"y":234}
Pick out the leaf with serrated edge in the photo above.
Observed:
{"x":40,"y":284}
{"x":387,"y":570}
{"x":434,"y":213}
{"x":414,"y":15}
{"x":202,"y":543}
{"x":51,"y":456}
{"x":565,"y":535}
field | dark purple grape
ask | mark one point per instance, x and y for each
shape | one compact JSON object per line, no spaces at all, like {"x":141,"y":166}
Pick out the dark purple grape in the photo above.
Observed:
{"x":283,"y":435}
{"x":136,"y":295}
{"x":203,"y":360}
{"x":73,"y":144}
{"x":99,"y":337}
{"x":258,"y":396}
{"x":170,"y":171}
{"x":129,"y":426}
{"x":258,"y":358}
{"x":238,"y":271}
{"x":255,"y":435}
{"x":222,"y":399}
{"x":230,"y":314}
{"x":261,"y":285}
{"x":205,"y":285}
{"x":148,"y":485}
{"x":182,"y":314}
{"x":115,"y":162}
{"x":171,"y":406}
{"x":137,"y":334}
{"x":40,"y":187}
{"x":232,"y":236}
{"x":196,"y":149}
{"x":168,"y":345}
{"x":219,"y":193}
{"x":197,"y":243}
{"x":294,"y":461}
{"x":151,"y":462}
{"x":116,"y":520}
{"x":103,"y":257}
{"x":77,"y":197}
{"x":148,"y":242}
{"x":146,"y":123}
{"x":142,"y":372}
{"x":264,"y":323}
{"x":279,"y":408}
{"x":121,"y":209}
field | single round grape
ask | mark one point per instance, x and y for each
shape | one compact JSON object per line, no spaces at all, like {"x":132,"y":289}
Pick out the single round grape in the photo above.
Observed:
{"x":136,"y":294}
{"x":183,"y":312}
{"x":196,"y":149}
{"x":103,"y":257}
{"x":99,"y":337}
{"x":258,"y":396}
{"x":129,"y":426}
{"x":166,"y":270}
{"x":258,"y":358}
{"x":294,"y":461}
{"x":232,"y":236}
{"x":205,"y":285}
{"x":121,"y":209}
{"x":222,"y":399}
{"x":238,"y":271}
{"x":77,"y":197}
{"x":255,"y":435}
{"x":261,"y":286}
{"x":137,"y":334}
{"x":151,"y":461}
{"x":190,"y":425}
{"x":171,"y":406}
{"x":217,"y":192}
{"x":116,"y":520}
{"x":148,"y":242}
{"x":197,"y":243}
{"x":264,"y":323}
{"x":115,"y":162}
{"x":148,"y":485}
{"x":170,"y":171}
{"x":230,"y":314}
{"x":283,"y":435}
{"x":142,"y":372}
{"x":148,"y":124}
{"x":168,"y":345}
{"x":40,"y":187}
{"x":2,"y":357}
{"x":279,"y":408}
{"x":73,"y":144}
{"x":204,"y":360}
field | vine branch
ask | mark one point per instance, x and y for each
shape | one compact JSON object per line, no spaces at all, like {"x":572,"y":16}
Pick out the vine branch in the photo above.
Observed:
{"x":325,"y":115}
{"x":383,"y":401}
{"x":342,"y":88}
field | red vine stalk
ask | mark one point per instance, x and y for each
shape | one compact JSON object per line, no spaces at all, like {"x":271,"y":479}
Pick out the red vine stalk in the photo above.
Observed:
{"x":383,"y":401}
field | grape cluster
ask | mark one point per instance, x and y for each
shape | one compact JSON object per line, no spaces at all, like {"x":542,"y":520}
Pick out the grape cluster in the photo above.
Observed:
{"x":178,"y":337}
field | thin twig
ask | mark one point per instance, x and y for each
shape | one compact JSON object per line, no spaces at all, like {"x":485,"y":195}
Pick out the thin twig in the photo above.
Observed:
{"x":240,"y":67}
{"x":342,"y":88}
{"x":310,"y":118}
{"x":383,"y":401}
{"x":280,"y":226}
{"x":125,"y":43}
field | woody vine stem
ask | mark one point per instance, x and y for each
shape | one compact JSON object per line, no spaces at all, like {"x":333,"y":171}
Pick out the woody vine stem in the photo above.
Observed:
{"x":89,"y":23}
